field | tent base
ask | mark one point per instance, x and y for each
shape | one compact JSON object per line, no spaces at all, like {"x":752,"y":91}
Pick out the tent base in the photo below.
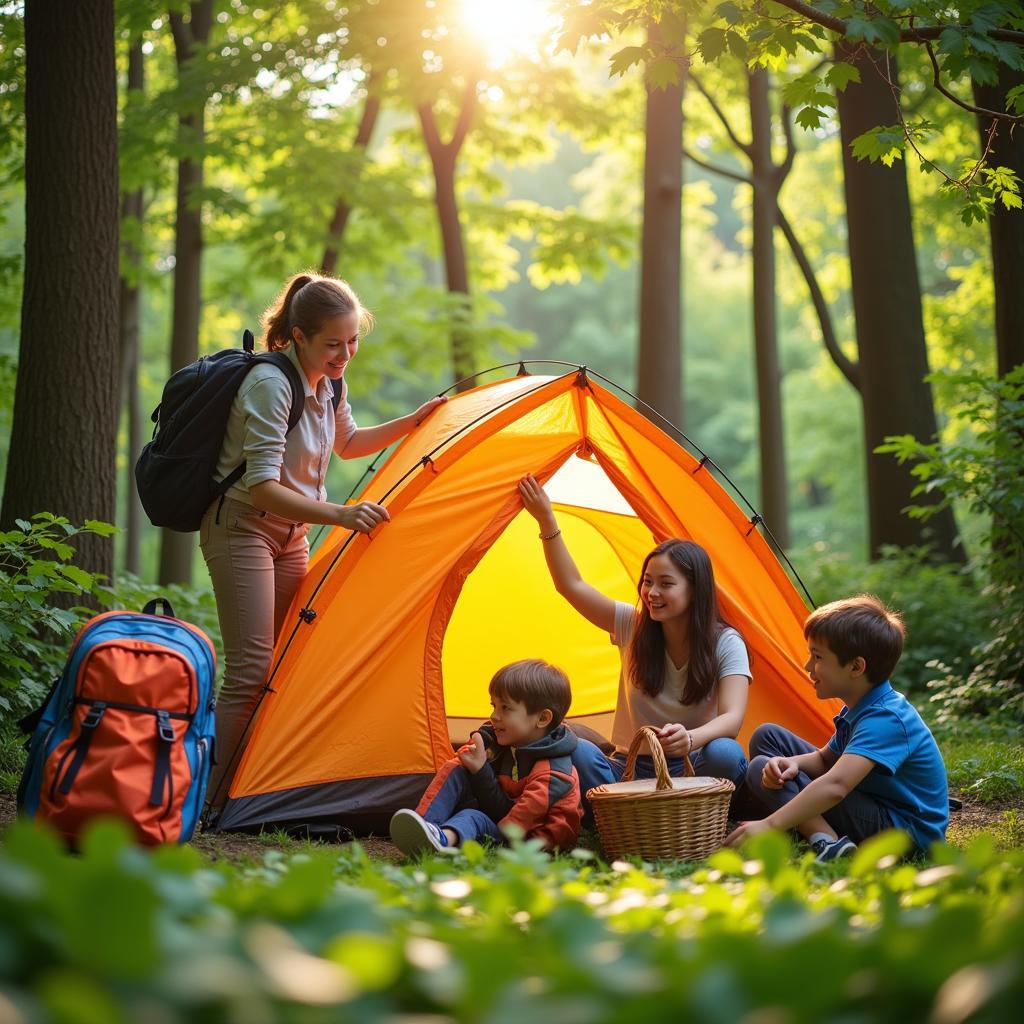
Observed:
{"x":361,"y":806}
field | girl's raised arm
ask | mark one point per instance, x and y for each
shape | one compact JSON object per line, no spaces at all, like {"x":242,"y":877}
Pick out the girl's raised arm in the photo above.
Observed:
{"x":588,"y":601}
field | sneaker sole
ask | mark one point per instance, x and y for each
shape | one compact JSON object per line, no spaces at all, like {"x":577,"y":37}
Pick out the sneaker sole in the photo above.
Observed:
{"x":409,"y":835}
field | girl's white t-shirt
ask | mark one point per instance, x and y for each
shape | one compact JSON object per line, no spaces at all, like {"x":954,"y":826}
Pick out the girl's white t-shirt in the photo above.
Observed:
{"x":635,"y":708}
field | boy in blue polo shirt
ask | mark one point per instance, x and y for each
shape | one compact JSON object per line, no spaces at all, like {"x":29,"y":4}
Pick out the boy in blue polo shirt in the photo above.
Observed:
{"x":881,"y":768}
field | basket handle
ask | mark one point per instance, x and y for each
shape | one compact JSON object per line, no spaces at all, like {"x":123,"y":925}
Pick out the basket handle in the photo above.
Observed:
{"x":658,"y":756}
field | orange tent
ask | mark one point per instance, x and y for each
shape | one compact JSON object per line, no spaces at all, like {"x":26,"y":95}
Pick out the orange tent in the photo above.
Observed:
{"x":396,"y":636}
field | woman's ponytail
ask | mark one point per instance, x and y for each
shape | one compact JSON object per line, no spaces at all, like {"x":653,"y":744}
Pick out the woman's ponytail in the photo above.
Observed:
{"x":277,"y":321}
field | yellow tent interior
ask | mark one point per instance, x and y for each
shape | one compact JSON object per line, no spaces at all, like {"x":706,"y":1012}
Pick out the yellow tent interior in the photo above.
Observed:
{"x":393,"y":639}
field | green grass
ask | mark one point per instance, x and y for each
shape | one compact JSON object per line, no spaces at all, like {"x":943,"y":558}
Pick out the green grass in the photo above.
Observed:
{"x":985,"y":769}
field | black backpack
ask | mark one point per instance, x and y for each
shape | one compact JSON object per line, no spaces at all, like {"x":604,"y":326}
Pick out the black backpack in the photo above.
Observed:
{"x":175,"y":472}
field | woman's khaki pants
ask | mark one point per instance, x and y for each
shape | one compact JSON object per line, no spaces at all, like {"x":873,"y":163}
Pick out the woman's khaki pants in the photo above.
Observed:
{"x":256,"y":562}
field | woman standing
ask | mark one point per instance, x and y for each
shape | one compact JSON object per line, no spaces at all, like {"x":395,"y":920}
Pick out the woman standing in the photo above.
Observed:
{"x":685,"y":670}
{"x":254,"y":538}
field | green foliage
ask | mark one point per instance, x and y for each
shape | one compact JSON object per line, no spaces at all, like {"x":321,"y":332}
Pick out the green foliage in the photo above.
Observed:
{"x":983,"y":470}
{"x":323,"y":936}
{"x":988,"y":770}
{"x":36,"y":564}
{"x":966,"y":49}
{"x":990,"y":186}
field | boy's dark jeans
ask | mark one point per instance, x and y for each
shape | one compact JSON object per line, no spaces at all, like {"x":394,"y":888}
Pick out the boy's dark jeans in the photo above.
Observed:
{"x":857,"y":815}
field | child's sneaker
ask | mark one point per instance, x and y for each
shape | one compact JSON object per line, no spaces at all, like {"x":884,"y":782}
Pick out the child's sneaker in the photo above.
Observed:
{"x":832,"y":849}
{"x":413,"y":834}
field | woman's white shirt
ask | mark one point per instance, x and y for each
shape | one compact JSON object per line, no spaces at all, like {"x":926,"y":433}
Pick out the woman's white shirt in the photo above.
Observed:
{"x":635,"y":708}
{"x":257,"y":431}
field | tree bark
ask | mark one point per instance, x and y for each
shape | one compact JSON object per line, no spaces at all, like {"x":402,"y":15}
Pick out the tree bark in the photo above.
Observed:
{"x":887,"y":306}
{"x":443,"y":157}
{"x":63,"y":449}
{"x":176,"y":548}
{"x":660,"y":345}
{"x":342,"y":209}
{"x":766,"y":181}
{"x":1006,"y":227}
{"x":132,"y":209}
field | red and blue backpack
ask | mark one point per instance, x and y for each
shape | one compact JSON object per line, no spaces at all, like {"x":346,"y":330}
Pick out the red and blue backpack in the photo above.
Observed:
{"x":127,"y":729}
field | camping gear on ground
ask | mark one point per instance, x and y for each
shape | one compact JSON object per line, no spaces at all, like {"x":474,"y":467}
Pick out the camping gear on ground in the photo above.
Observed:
{"x":660,"y":818}
{"x":392,"y":638}
{"x":127,"y":729}
{"x":175,"y":472}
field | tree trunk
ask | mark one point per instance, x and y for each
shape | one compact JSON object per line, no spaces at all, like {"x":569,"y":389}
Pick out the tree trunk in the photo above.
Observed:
{"x":1006,"y":227}
{"x":336,"y":229}
{"x":456,"y":270}
{"x":176,"y":548}
{"x":887,"y":307}
{"x":63,"y":449}
{"x":659,"y":354}
{"x":765,"y":179}
{"x":443,"y":156}
{"x":132,"y":209}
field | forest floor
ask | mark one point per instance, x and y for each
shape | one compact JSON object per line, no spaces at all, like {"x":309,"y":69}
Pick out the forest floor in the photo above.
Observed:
{"x":1003,"y":821}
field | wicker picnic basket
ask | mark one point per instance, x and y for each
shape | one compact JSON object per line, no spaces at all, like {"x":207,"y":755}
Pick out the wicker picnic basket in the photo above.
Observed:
{"x":660,"y":818}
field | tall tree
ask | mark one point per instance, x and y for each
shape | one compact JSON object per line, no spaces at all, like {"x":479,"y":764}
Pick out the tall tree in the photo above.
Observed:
{"x":343,"y":207}
{"x":1006,"y":226}
{"x":766,"y":179}
{"x":189,"y":34}
{"x":443,"y":159}
{"x":132,"y":209}
{"x":660,"y":343}
{"x":62,"y":455}
{"x":887,"y":306}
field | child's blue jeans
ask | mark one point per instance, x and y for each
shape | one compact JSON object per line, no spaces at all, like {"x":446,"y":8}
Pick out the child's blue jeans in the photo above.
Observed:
{"x":448,"y":802}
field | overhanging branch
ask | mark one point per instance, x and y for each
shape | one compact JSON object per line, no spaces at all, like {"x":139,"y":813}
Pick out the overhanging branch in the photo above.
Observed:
{"x":907,"y":35}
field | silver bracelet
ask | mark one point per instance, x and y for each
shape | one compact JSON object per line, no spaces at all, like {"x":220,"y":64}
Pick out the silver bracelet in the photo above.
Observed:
{"x":549,"y":536}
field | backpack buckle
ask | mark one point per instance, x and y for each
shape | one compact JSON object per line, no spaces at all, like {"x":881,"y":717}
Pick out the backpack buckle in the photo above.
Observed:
{"x":164,"y":728}
{"x":94,"y":715}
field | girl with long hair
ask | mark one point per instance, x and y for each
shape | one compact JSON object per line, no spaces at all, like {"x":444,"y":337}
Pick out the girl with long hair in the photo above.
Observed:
{"x":685,"y":670}
{"x":254,"y":538}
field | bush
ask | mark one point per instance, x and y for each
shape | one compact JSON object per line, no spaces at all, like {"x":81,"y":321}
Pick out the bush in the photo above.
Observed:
{"x":984,"y":470}
{"x":35,"y":565}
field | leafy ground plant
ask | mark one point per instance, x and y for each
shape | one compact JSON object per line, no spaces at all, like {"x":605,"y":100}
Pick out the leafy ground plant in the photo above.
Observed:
{"x":510,"y":936}
{"x":36,"y":564}
{"x":984,"y":768}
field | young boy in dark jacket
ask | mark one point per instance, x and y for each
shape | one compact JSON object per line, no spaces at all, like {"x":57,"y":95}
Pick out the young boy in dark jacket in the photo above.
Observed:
{"x":516,"y":770}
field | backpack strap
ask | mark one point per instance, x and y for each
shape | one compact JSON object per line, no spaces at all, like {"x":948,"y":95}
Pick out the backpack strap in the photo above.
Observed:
{"x":291,"y":373}
{"x":79,"y":749}
{"x":289,"y":369}
{"x":150,"y":607}
{"x":162,"y":778}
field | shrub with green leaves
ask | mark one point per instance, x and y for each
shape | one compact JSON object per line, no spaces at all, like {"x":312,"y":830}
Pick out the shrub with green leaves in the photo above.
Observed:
{"x":508,"y":937}
{"x":984,"y":471}
{"x":35,"y":564}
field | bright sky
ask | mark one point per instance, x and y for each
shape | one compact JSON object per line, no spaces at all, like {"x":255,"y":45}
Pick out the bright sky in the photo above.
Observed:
{"x":509,"y":27}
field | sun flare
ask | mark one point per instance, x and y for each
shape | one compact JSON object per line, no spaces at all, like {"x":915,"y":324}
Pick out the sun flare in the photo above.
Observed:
{"x":506,"y":28}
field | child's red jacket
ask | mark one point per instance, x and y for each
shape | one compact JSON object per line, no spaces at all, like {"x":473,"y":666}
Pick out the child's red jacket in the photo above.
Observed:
{"x":535,"y":787}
